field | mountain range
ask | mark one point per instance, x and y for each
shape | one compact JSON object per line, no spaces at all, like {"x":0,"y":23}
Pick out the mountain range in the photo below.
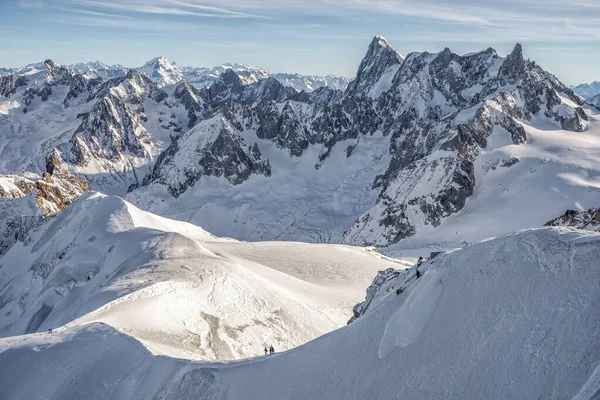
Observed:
{"x":590,"y":92}
{"x":165,"y":72}
{"x":413,"y":149}
{"x":203,"y":215}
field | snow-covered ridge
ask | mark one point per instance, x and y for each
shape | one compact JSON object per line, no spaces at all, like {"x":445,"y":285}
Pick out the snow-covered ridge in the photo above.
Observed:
{"x":524,"y":306}
{"x":175,"y":287}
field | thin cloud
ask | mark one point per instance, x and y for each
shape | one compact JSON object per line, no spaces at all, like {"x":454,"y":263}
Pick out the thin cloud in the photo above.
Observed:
{"x":93,"y":13}
{"x":183,"y":10}
{"x":31,"y":3}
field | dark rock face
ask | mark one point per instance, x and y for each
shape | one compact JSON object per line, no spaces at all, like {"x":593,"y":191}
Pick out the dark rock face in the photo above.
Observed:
{"x":108,"y":130}
{"x":214,"y":147}
{"x":191,"y":100}
{"x":513,"y":67}
{"x":588,"y":220}
{"x":9,"y":84}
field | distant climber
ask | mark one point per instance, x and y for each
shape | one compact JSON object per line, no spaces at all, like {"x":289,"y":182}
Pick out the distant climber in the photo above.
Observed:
{"x":271,"y":350}
{"x":50,"y":330}
{"x":398,"y":292}
{"x":419,"y":262}
{"x":266,"y":351}
{"x":418,"y":273}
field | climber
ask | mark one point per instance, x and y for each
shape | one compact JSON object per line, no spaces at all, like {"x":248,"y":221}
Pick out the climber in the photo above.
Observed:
{"x":398,"y":292}
{"x":266,"y":351}
{"x":271,"y":350}
{"x":419,"y":262}
{"x":418,"y":273}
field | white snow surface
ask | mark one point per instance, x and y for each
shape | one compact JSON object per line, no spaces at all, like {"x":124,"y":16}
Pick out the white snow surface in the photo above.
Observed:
{"x":514,"y":317}
{"x":176,"y":288}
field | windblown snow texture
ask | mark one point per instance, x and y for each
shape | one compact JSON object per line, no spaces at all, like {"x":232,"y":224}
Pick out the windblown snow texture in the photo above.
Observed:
{"x":512,"y":317}
{"x":178,"y":289}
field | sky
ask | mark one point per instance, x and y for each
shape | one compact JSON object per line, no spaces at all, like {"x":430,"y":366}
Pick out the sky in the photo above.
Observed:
{"x":304,"y":36}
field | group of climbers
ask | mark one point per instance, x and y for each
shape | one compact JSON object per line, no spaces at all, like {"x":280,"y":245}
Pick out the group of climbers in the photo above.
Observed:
{"x":271,"y":350}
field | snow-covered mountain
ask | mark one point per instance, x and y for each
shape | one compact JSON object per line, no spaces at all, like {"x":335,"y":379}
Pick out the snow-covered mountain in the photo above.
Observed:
{"x":162,"y":71}
{"x":98,"y":68}
{"x":419,"y":149}
{"x":428,"y":143}
{"x":588,"y":90}
{"x":178,"y":289}
{"x":428,"y":152}
{"x":512,"y":317}
{"x":204,"y":77}
{"x":309,"y":83}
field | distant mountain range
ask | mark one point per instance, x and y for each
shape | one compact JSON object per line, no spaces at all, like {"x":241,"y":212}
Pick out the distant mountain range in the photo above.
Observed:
{"x":422,"y":147}
{"x":590,"y":92}
{"x":163,"y":72}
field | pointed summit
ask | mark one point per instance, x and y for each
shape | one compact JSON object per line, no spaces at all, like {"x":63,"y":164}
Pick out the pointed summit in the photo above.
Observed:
{"x":380,"y":57}
{"x":50,"y":64}
{"x":162,"y":71}
{"x":513,"y":67}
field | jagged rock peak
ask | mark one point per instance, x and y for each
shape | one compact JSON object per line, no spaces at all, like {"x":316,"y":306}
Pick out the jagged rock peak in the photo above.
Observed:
{"x":379,"y":58}
{"x":50,"y":64}
{"x":230,"y":78}
{"x":381,"y":48}
{"x":513,"y":67}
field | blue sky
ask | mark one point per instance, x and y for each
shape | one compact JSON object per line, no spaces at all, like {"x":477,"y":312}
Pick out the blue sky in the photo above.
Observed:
{"x":305,"y":36}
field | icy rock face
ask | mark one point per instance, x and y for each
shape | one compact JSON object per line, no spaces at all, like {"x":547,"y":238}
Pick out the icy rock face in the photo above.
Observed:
{"x":10,"y":83}
{"x":108,"y":131}
{"x":191,"y":100}
{"x":595,"y":101}
{"x":588,"y":220}
{"x":380,"y":283}
{"x":212,"y":148}
{"x":24,"y":202}
{"x":425,"y":123}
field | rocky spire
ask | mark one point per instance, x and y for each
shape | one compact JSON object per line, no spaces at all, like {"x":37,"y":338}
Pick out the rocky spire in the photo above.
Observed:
{"x":380,"y":56}
{"x":513,"y":67}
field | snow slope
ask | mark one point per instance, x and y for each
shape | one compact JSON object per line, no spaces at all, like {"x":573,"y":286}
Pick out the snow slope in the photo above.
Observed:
{"x":178,"y":289}
{"x":514,"y":317}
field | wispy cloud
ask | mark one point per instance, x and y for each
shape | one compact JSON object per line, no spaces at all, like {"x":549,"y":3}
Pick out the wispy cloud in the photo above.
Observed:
{"x":89,"y":12}
{"x":31,"y":3}
{"x":175,"y":8}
